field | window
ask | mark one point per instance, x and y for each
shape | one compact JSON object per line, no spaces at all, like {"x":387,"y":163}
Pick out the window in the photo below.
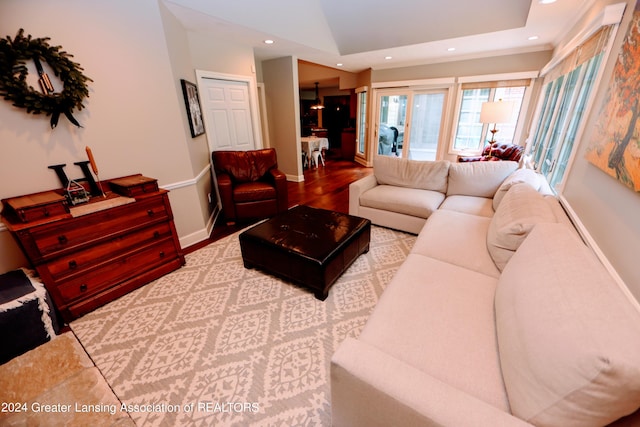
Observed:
{"x":567,"y":88}
{"x":392,"y":122}
{"x":410,"y":122}
{"x":426,"y":121}
{"x":470,"y":134}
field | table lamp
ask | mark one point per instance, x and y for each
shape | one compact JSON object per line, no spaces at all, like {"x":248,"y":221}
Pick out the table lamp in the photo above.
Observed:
{"x":495,"y":112}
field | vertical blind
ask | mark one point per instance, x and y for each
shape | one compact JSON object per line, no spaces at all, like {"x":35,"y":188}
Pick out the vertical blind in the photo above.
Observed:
{"x":567,"y":87}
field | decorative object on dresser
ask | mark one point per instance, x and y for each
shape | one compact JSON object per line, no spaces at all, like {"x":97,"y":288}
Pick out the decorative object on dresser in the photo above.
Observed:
{"x":91,"y":254}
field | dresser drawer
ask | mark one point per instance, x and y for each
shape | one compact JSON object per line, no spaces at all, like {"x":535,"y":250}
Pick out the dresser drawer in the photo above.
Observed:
{"x":54,"y":238}
{"x":77,"y":262}
{"x":110,"y":273}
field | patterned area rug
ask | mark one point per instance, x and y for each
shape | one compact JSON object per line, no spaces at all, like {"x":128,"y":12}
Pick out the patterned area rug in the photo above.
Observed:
{"x":216,"y":344}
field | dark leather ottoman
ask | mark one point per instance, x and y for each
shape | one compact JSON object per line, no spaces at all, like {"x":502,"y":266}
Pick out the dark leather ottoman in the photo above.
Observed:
{"x":308,"y":246}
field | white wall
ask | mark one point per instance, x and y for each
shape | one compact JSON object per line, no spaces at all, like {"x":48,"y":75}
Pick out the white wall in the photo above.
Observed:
{"x":283,"y":107}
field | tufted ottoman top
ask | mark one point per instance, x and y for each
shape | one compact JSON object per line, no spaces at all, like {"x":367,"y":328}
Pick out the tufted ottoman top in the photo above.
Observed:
{"x":306,"y":245}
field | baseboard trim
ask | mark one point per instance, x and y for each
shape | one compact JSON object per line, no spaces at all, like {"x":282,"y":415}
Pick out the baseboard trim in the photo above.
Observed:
{"x":295,"y":178}
{"x":202,"y":234}
{"x":590,"y":241}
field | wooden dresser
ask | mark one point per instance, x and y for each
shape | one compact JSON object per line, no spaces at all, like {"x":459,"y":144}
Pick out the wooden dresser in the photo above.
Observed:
{"x":90,"y":254}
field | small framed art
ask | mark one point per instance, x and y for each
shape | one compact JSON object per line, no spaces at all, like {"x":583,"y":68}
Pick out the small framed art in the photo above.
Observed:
{"x":192,"y":102}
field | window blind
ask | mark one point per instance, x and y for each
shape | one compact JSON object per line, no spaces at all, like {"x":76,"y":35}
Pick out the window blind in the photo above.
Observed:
{"x":496,"y":84}
{"x":581,"y":54}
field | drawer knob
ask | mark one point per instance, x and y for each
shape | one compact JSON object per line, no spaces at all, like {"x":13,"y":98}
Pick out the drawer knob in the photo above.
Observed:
{"x":83,"y":287}
{"x":161,"y":254}
{"x":156,"y":234}
{"x":73,"y":264}
{"x":62,"y":239}
{"x":150,"y":212}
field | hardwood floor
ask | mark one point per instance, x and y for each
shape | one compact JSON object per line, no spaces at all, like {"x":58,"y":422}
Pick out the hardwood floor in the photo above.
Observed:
{"x":327,"y":187}
{"x":324,"y":187}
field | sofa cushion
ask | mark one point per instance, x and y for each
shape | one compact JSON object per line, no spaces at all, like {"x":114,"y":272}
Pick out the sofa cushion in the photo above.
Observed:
{"x":411,"y":173}
{"x":473,"y":205}
{"x":409,"y":201}
{"x":480,"y":179}
{"x":245,"y":166}
{"x":438,"y":318}
{"x":569,"y":338}
{"x":253,"y":191}
{"x":521,"y":208}
{"x":528,"y":176}
{"x":457,"y":238}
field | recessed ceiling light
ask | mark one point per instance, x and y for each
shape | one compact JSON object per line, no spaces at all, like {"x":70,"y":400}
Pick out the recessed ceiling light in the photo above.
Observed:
{"x":269,"y":41}
{"x":546,"y":1}
{"x":451,"y":49}
{"x":339,"y":64}
{"x":534,"y":38}
{"x":388,"y":57}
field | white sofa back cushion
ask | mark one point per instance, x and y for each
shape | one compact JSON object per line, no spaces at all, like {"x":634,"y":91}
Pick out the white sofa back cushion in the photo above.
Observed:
{"x":528,"y":176}
{"x":391,"y":170}
{"x":481,"y":179}
{"x":569,"y":339}
{"x":520,"y":210}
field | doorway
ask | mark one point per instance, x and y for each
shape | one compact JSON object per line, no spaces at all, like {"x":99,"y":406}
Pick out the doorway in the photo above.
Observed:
{"x":227,"y":114}
{"x":230,"y":114}
{"x":335,"y":118}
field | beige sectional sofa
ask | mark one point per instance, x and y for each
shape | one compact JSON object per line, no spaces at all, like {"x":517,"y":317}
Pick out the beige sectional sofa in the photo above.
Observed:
{"x":500,"y":316}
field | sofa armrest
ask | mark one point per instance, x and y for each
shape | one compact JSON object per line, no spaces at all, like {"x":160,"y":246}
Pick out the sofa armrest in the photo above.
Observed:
{"x":372,"y":388}
{"x":225,"y":187}
{"x":279,"y":180}
{"x":356,"y":189}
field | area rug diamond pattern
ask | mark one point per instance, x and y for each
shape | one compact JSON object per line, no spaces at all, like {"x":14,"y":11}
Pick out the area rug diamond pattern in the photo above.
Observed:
{"x":216,"y":344}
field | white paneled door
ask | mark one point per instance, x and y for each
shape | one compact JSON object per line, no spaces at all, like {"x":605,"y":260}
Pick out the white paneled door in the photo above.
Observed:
{"x":227,"y":114}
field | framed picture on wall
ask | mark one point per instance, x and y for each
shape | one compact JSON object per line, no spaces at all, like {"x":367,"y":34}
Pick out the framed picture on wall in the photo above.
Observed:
{"x":192,"y":102}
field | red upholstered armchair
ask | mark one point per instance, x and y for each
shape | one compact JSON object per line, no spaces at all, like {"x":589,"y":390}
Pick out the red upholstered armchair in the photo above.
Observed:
{"x":496,"y":151}
{"x":250,"y":184}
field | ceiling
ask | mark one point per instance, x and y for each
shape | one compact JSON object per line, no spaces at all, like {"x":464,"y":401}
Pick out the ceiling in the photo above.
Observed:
{"x":362,"y":34}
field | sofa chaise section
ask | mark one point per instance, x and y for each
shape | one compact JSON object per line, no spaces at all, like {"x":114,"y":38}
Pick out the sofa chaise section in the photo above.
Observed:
{"x":500,"y":316}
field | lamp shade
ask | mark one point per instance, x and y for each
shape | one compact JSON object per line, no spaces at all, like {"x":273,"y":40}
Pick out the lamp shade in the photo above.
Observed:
{"x":496,"y":112}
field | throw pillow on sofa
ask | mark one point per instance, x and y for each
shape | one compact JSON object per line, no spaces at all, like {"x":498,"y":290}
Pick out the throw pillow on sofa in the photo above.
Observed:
{"x":568,"y":337}
{"x":528,"y":176}
{"x":520,"y":210}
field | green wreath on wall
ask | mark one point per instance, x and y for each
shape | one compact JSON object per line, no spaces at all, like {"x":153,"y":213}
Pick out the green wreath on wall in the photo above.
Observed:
{"x":13,"y":78}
